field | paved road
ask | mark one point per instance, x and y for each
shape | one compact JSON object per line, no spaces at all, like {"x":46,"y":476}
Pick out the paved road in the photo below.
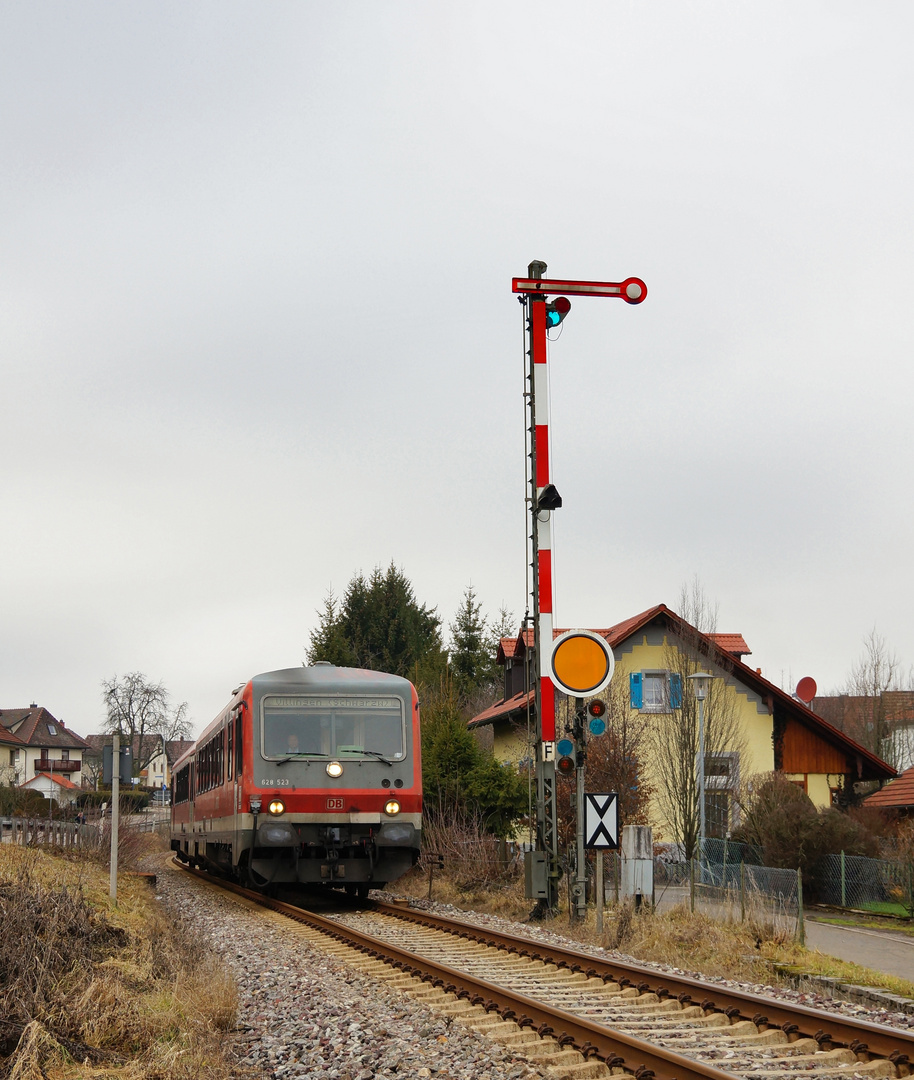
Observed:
{"x":885,"y":951}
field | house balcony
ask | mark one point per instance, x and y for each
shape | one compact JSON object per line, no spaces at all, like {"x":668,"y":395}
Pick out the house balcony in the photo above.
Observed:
{"x":63,"y":765}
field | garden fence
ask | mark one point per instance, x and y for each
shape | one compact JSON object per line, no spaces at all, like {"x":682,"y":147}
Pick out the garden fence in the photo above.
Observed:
{"x":32,"y":832}
{"x":881,"y":886}
{"x":723,"y":883}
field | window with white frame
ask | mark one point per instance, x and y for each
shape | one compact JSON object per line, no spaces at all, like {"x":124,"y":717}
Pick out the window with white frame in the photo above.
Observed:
{"x":721,"y":786}
{"x":722,"y":769}
{"x":655,"y":691}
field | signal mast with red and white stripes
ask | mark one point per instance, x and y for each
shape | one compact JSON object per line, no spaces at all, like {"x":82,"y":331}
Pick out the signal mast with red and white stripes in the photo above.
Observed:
{"x":541,"y":315}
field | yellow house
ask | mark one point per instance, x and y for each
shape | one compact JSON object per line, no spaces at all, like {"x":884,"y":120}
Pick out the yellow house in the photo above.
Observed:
{"x":749,"y":725}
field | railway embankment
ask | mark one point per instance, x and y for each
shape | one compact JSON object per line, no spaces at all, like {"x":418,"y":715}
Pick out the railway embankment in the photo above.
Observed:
{"x":89,"y":988}
{"x":869,"y":970}
{"x":177,"y":980}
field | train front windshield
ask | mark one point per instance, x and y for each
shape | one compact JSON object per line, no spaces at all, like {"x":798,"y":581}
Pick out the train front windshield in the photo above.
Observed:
{"x":328,"y":726}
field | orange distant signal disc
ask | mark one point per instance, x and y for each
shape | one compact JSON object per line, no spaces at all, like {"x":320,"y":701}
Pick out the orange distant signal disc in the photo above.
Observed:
{"x":581,"y":664}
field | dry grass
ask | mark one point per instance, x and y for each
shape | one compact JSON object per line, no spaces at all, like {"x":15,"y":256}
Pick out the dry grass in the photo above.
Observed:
{"x":473,"y":862}
{"x":90,"y":989}
{"x":755,"y":951}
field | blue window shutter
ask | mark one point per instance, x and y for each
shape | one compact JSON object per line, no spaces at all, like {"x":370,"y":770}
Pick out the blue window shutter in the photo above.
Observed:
{"x":634,"y":684}
{"x":675,"y":691}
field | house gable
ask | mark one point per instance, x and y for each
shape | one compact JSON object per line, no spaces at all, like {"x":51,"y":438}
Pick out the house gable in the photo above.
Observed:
{"x":780,"y":732}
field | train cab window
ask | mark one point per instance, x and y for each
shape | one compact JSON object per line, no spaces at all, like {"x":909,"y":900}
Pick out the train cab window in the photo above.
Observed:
{"x":324,"y":726}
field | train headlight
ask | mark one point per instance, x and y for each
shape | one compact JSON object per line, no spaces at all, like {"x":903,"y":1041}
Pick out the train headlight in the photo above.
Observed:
{"x":334,"y":768}
{"x":391,"y":807}
{"x":277,"y":806}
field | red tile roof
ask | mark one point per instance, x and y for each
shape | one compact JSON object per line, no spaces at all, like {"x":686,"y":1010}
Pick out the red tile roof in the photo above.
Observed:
{"x":897,"y":794}
{"x":9,"y":739}
{"x":62,"y":781}
{"x":502,"y":709}
{"x":731,"y":643}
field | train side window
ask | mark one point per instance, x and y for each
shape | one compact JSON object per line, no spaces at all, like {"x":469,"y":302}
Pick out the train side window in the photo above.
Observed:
{"x":239,"y":756}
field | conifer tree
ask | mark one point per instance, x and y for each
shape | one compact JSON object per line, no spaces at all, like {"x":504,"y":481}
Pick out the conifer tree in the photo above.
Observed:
{"x":380,"y":625}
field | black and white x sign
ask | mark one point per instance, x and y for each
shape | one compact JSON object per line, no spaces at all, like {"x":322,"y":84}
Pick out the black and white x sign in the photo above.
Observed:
{"x":601,"y":820}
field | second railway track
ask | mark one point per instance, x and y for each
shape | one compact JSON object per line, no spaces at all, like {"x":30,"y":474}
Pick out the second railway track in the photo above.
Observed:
{"x":581,"y":1015}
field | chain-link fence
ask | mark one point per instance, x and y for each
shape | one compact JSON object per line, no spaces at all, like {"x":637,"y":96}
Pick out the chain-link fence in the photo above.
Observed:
{"x":881,"y":886}
{"x":723,"y":883}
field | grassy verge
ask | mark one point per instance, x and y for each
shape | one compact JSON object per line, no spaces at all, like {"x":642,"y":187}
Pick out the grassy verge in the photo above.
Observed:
{"x":860,"y":921}
{"x":749,"y":952}
{"x":89,"y":989}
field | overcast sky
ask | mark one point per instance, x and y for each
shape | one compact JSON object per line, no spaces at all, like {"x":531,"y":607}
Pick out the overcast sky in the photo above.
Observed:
{"x":257,"y":329}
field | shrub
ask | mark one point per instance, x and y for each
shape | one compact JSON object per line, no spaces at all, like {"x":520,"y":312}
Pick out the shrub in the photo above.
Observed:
{"x":782,"y":821}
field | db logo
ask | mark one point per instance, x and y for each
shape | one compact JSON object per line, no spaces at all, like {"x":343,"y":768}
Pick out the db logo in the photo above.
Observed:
{"x":334,"y":804}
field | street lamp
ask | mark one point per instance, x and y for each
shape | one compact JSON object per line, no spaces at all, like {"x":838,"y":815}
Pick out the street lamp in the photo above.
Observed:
{"x":700,"y":681}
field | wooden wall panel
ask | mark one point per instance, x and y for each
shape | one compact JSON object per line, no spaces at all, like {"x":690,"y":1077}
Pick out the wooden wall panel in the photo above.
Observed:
{"x":806,"y":752}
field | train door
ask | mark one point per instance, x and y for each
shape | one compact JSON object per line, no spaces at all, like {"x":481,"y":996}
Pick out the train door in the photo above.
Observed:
{"x":236,"y":759}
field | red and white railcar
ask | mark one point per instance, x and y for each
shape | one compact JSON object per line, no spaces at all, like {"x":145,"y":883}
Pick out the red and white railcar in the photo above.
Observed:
{"x":309,"y":775}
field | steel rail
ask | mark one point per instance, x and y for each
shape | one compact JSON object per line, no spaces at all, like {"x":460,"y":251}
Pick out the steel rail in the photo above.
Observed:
{"x":827,"y":1028}
{"x":591,"y":1039}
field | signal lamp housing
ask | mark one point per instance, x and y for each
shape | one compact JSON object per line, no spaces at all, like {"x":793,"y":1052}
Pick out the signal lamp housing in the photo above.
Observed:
{"x":556,"y":311}
{"x":565,"y":765}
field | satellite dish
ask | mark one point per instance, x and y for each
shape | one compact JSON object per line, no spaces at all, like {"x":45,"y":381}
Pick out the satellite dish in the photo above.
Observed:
{"x":806,"y":689}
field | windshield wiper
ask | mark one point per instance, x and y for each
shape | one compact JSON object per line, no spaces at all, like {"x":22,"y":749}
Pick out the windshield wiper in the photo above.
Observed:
{"x":297,"y":757}
{"x":378,"y":755}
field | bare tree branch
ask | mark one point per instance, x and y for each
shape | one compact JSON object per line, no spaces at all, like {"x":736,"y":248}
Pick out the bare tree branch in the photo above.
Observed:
{"x":138,"y":709}
{"x":675,"y":733}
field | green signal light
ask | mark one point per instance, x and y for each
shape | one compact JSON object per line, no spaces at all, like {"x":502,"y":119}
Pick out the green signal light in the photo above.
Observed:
{"x":556,"y":311}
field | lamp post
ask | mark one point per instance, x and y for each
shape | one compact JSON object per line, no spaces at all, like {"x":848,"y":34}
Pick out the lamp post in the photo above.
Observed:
{"x":700,"y":681}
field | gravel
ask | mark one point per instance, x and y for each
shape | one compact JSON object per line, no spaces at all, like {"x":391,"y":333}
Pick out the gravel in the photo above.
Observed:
{"x":304,"y":1013}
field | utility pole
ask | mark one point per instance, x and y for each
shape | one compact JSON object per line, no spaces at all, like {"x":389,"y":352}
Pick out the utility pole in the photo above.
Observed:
{"x":544,"y":499}
{"x":115,"y":812}
{"x":580,"y":885}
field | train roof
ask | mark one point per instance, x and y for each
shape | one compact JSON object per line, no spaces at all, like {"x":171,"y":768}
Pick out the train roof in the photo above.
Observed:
{"x":321,"y":676}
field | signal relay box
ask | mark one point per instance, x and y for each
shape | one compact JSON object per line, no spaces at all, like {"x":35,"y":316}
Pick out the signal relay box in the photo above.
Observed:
{"x":536,"y":875}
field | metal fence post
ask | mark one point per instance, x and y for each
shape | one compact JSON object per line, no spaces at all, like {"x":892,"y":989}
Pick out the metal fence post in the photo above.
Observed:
{"x":742,"y":892}
{"x":843,"y":881}
{"x":616,"y":866}
{"x":692,"y":884}
{"x":601,"y":890}
{"x":801,"y":928}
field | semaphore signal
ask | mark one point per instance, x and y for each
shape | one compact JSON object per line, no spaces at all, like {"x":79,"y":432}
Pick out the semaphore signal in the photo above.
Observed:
{"x":541,"y":315}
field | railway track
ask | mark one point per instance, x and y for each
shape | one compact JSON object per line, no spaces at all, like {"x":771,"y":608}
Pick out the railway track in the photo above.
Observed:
{"x":579,"y":1015}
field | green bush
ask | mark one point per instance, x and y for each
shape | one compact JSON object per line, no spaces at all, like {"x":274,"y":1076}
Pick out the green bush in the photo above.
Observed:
{"x":133,"y":800}
{"x":463,"y":783}
{"x":24,"y":802}
{"x":781,"y":820}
